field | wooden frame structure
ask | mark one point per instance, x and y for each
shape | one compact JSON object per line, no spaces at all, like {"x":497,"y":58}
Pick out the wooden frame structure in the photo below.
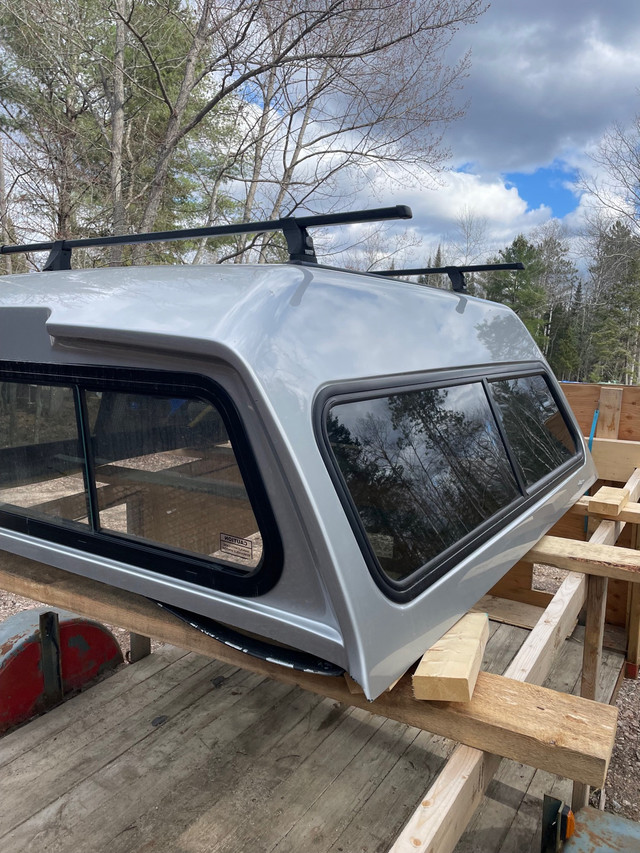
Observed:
{"x":507,"y":716}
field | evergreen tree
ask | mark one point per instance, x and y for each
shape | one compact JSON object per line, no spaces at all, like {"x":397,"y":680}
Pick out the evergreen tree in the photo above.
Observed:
{"x":521,"y":290}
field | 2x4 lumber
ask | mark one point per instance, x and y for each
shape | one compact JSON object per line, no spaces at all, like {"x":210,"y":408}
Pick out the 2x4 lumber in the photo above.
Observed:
{"x":441,"y":817}
{"x":615,"y":460}
{"x":607,"y":561}
{"x":630,"y":512}
{"x":608,"y":500}
{"x":592,"y":660}
{"x":593,"y":635}
{"x":447,"y":806}
{"x":523,"y":734}
{"x":633,"y":620}
{"x":509,"y":612}
{"x":449,"y":670}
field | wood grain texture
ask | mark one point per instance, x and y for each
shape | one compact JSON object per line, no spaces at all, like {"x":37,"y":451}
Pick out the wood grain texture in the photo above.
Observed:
{"x":451,"y":800}
{"x":448,"y":671}
{"x":615,"y":460}
{"x":509,"y":612}
{"x":446,"y":808}
{"x":476,"y":723}
{"x":606,"y":561}
{"x":516,"y":586}
{"x":608,"y":500}
{"x":584,"y":398}
{"x":609,"y":405}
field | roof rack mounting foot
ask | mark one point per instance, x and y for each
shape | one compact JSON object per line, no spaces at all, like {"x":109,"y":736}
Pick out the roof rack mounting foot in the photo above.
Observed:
{"x":59,"y":257}
{"x":299,"y":242}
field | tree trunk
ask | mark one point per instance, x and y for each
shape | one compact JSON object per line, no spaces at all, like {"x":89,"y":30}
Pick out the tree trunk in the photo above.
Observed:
{"x":119,"y":224}
{"x":4,"y":223}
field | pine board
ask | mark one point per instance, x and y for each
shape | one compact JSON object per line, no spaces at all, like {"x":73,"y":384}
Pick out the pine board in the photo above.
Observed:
{"x":247,"y":764}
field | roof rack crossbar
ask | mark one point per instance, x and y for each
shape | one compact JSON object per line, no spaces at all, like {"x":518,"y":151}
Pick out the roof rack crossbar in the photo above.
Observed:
{"x":294,"y":228}
{"x":455,"y":273}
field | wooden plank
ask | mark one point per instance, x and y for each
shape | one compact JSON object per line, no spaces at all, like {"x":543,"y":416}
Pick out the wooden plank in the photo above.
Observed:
{"x":609,"y":406}
{"x":606,"y":561}
{"x":633,"y":620}
{"x":300,"y":796}
{"x":593,"y":636}
{"x":139,"y":647}
{"x":608,"y":501}
{"x":98,"y":743}
{"x":516,"y":586}
{"x":445,"y":809}
{"x":630,"y":418}
{"x":476,"y":723}
{"x":449,"y":670}
{"x":583,"y":731}
{"x":630,"y":512}
{"x":509,"y":612}
{"x":583,"y":399}
{"x":33,"y":739}
{"x":110,"y":782}
{"x":615,"y":460}
{"x":441,"y":817}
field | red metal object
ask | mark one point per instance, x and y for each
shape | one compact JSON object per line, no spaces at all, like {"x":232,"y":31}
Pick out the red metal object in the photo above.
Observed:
{"x":87,"y":649}
{"x":631,"y":670}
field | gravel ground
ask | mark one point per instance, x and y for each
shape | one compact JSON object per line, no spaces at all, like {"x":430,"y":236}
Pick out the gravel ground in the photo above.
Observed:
{"x":622,"y":790}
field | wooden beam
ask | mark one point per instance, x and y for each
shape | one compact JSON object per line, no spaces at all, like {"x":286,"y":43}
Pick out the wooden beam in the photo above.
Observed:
{"x":633,"y":620}
{"x":606,"y":561}
{"x":509,"y":612}
{"x":504,"y":716}
{"x":630,"y":512}
{"x":609,"y":405}
{"x":608,"y":501}
{"x":449,"y":670}
{"x":591,"y":661}
{"x":447,"y":806}
{"x":615,"y":460}
{"x":516,"y":586}
{"x":593,"y":635}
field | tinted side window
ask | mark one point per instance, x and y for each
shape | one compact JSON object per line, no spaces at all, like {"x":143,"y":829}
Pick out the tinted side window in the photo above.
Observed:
{"x":42,"y":471}
{"x":154,"y":468}
{"x":167,"y":474}
{"x":424,"y":469}
{"x":534,"y":425}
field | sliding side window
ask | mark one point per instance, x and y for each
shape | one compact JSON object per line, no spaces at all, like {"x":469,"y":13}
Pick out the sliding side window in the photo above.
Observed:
{"x":133,"y":474}
{"x":167,"y":474}
{"x":42,"y":469}
{"x":424,"y":470}
{"x":535,"y":428}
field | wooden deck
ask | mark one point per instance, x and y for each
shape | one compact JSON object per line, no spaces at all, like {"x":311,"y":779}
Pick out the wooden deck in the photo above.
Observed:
{"x":181,"y":754}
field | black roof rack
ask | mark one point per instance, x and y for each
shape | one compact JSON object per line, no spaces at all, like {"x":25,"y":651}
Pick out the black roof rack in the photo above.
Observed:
{"x":456,"y":274}
{"x":294,"y":228}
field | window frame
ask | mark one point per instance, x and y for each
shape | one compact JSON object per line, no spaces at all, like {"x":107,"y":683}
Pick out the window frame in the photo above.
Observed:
{"x":365,"y":389}
{"x":157,"y":558}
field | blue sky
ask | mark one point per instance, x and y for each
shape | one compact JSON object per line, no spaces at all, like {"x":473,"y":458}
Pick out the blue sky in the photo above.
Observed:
{"x":546,"y":81}
{"x":553,"y":186}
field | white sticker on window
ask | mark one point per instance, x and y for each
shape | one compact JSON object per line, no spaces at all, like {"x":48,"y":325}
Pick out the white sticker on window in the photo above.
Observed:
{"x":234,"y":546}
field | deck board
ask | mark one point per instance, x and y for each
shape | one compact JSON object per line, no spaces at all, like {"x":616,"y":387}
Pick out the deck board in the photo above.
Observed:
{"x":243,"y":762}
